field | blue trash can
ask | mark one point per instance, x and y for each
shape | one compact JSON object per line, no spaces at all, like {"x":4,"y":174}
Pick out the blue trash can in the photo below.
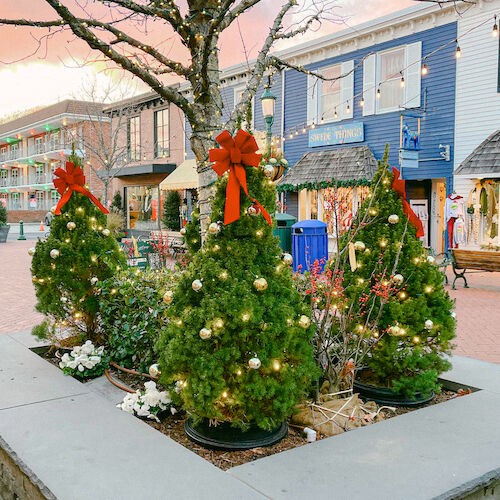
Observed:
{"x":309,"y":243}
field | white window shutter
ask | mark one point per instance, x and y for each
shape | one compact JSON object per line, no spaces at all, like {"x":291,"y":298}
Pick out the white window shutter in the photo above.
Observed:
{"x":369,"y":84}
{"x":347,"y":89}
{"x":313,"y":88}
{"x":412,"y":75}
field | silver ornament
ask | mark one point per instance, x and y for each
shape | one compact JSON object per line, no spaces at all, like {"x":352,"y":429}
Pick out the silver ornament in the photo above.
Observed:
{"x":287,"y":259}
{"x":54,"y":253}
{"x":196,"y":285}
{"x":453,"y":314}
{"x":154,"y":370}
{"x":429,"y":324}
{"x":106,"y":231}
{"x":64,"y":299}
{"x":359,"y":245}
{"x":268,"y":171}
{"x":304,"y":321}
{"x":254,"y":363}
{"x":183,"y":231}
{"x":205,"y":333}
{"x":431,"y":259}
{"x":213,"y":228}
{"x":71,"y":225}
{"x":31,"y":251}
{"x":94,"y":280}
{"x":398,"y":279}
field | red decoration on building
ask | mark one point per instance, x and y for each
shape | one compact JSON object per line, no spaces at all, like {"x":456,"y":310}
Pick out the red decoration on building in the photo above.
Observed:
{"x":69,"y":180}
{"x":234,"y":155}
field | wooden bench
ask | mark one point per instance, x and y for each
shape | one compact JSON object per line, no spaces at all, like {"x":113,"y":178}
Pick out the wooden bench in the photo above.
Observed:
{"x":463,"y":260}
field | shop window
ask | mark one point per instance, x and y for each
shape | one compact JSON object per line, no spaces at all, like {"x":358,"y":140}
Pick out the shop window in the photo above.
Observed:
{"x":390,"y":71}
{"x":162,"y":133}
{"x":143,"y":207}
{"x":482,"y":219}
{"x":134,"y":138}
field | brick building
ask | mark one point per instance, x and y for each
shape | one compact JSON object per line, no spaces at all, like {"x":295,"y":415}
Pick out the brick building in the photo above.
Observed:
{"x":33,"y":146}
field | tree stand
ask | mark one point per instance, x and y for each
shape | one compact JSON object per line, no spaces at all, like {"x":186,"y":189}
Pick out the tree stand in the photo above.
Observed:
{"x":225,"y":437}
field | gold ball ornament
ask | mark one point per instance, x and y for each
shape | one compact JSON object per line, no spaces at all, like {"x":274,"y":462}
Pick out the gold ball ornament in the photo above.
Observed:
{"x":429,"y":324}
{"x":287,"y":259}
{"x":398,"y":279}
{"x":106,"y":231}
{"x":214,"y":228}
{"x":260,"y":284}
{"x":393,"y":219}
{"x":359,"y":245}
{"x":254,"y":363}
{"x":71,"y":225}
{"x":31,"y":251}
{"x":304,"y":321}
{"x":53,"y":210}
{"x":396,"y":331}
{"x":54,"y":253}
{"x":154,"y":370}
{"x":196,"y":285}
{"x":218,"y":323}
{"x":168,"y":297}
{"x":205,"y":333}
{"x":183,"y":231}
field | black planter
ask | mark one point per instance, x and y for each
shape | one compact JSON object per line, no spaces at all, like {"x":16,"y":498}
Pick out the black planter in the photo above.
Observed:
{"x":385,"y":396}
{"x":4,"y":231}
{"x":225,"y":437}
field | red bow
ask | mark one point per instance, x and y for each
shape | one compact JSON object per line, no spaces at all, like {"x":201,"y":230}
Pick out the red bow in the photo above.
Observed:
{"x":236,"y":153}
{"x":72,"y":179}
{"x":399,"y":186}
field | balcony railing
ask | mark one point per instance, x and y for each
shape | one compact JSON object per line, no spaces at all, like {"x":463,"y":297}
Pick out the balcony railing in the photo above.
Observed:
{"x":41,"y":148}
{"x":12,"y":155}
{"x":26,"y":180}
{"x":24,"y":204}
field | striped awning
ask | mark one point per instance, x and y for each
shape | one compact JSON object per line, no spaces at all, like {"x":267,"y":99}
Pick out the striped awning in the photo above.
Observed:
{"x":184,"y":176}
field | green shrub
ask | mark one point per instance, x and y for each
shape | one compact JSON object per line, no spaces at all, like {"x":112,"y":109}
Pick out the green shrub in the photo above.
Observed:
{"x":133,"y":314}
{"x":3,"y":215}
{"x":117,"y":202}
{"x":171,"y":206}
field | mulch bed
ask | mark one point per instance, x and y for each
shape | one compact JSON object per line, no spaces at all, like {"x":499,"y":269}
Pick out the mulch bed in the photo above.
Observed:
{"x":173,"y":426}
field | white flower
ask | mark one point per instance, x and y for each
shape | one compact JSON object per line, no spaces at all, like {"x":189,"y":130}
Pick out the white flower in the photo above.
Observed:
{"x":150,"y":385}
{"x":62,"y":365}
{"x":285,"y":162}
{"x":273,"y":160}
{"x":173,"y":411}
{"x":89,"y":365}
{"x":95,"y":359}
{"x":76,"y":350}
{"x":72,"y":364}
{"x":65,"y":357}
{"x":81,"y":368}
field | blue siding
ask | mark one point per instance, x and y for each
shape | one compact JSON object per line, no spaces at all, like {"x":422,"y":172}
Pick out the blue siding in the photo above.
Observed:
{"x":437,"y":123}
{"x":259,"y":123}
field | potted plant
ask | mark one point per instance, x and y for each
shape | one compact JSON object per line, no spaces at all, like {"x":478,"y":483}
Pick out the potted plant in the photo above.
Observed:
{"x":4,"y":227}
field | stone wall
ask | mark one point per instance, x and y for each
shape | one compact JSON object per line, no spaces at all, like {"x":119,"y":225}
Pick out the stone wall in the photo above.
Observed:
{"x":19,"y":484}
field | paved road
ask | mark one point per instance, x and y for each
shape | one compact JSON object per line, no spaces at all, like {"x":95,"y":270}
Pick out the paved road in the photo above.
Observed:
{"x":478,"y":307}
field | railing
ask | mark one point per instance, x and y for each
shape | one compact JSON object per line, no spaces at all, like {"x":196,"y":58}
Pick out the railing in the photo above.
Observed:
{"x":12,"y":155}
{"x":40,"y":148}
{"x":26,"y":180}
{"x":24,"y":204}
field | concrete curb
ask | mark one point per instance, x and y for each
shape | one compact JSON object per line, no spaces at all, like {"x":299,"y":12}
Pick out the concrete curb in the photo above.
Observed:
{"x":67,"y":437}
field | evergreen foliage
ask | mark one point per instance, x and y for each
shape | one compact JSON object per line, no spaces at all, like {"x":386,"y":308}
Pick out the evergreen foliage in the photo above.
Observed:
{"x":409,"y":355}
{"x":3,"y":215}
{"x":117,"y":202}
{"x":171,"y":215}
{"x":213,"y":376}
{"x":192,"y":234}
{"x":65,"y":284}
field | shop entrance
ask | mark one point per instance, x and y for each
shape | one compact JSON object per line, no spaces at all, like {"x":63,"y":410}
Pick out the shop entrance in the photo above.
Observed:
{"x":143,"y":207}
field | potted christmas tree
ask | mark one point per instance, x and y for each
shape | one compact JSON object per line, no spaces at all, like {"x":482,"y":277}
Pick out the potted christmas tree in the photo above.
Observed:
{"x":79,"y":252}
{"x":238,"y":344}
{"x":4,"y":227}
{"x":415,"y":327}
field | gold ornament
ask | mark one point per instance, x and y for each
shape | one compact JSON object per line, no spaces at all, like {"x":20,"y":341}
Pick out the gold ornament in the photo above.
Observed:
{"x":196,"y":285}
{"x":214,"y":228}
{"x":393,"y":219}
{"x":396,"y":331}
{"x":223,"y":275}
{"x":254,"y":363}
{"x":31,"y":251}
{"x":154,"y":370}
{"x":168,"y":297}
{"x":276,"y":365}
{"x":183,"y":231}
{"x":260,"y":284}
{"x":304,"y":321}
{"x":54,"y":253}
{"x":259,"y":233}
{"x":359,"y":245}
{"x":287,"y":259}
{"x":205,"y":333}
{"x":71,"y":225}
{"x":94,"y":280}
{"x":398,"y":279}
{"x":53,"y":210}
{"x":429,"y":324}
{"x":106,"y":231}
{"x":245,"y":317}
{"x":218,"y":323}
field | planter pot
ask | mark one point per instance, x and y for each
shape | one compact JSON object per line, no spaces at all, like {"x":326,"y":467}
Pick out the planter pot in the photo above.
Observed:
{"x":4,"y":231}
{"x":385,"y":396}
{"x":225,"y":437}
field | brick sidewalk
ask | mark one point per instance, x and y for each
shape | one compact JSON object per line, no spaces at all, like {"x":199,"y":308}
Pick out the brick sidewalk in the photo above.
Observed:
{"x":477,"y":307}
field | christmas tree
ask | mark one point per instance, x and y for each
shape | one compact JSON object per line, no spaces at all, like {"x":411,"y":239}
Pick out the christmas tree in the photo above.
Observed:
{"x":416,"y":326}
{"x":78,"y":253}
{"x":171,"y":216}
{"x":238,"y":343}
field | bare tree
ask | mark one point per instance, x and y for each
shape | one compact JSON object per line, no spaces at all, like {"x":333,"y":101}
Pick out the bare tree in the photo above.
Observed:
{"x":198,"y":29}
{"x":105,"y":140}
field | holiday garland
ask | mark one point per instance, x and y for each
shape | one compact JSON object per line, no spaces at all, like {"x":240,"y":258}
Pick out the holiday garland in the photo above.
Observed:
{"x":315,"y":186}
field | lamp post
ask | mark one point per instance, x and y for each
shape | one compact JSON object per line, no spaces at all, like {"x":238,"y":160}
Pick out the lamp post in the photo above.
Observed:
{"x":267,"y":100}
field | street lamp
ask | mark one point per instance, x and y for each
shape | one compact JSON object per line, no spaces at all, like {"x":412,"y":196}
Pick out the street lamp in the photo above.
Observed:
{"x":267,"y":100}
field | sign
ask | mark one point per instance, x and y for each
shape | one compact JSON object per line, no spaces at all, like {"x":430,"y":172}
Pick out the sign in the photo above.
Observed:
{"x":330,"y":135}
{"x":408,"y":158}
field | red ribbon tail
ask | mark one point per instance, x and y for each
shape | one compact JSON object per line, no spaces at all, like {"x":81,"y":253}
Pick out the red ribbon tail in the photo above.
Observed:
{"x":265,"y":213}
{"x":232,"y":208}
{"x":88,"y":194}
{"x":62,"y":201}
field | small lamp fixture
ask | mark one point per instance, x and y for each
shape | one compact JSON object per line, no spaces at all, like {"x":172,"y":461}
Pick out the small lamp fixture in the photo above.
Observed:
{"x":458,"y":52}
{"x":268,"y":100}
{"x":494,"y":32}
{"x":425,"y":69}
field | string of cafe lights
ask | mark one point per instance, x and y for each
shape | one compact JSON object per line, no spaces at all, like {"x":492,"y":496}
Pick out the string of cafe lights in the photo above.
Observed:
{"x":303,"y":127}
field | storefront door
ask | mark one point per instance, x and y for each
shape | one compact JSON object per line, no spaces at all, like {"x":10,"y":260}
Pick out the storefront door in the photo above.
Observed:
{"x":143,"y":207}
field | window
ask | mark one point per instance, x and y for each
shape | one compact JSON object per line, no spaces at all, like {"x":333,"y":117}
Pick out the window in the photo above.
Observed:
{"x":134,"y":138}
{"x":39,"y":173}
{"x":391,"y":65}
{"x":54,"y":197}
{"x":329,"y":101}
{"x":3,"y":177}
{"x":38,"y":145}
{"x":162,"y":133}
{"x":238,"y":95}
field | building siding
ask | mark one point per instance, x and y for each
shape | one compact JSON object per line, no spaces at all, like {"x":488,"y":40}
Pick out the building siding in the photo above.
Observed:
{"x":437,"y":123}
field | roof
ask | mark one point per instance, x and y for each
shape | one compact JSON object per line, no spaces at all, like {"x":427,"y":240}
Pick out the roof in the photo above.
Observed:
{"x":184,"y":176}
{"x":69,"y":106}
{"x":484,"y":160}
{"x":341,"y":165}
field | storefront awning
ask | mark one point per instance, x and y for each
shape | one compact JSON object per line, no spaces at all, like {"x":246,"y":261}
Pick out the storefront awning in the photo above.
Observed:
{"x":319,"y":169}
{"x":484,"y":161}
{"x":184,"y":176}
{"x":148,"y":168}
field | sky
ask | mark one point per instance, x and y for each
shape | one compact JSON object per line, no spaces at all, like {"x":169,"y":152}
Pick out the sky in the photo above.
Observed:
{"x":36,"y":72}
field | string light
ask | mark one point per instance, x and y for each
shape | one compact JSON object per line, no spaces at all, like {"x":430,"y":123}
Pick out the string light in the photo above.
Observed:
{"x":276,"y":365}
{"x":313,"y":125}
{"x":378,"y":93}
{"x":348,"y":109}
{"x":362,"y":102}
{"x":458,"y":52}
{"x":335,"y":115}
{"x":402,"y":81}
{"x":424,"y":69}
{"x":494,"y":32}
